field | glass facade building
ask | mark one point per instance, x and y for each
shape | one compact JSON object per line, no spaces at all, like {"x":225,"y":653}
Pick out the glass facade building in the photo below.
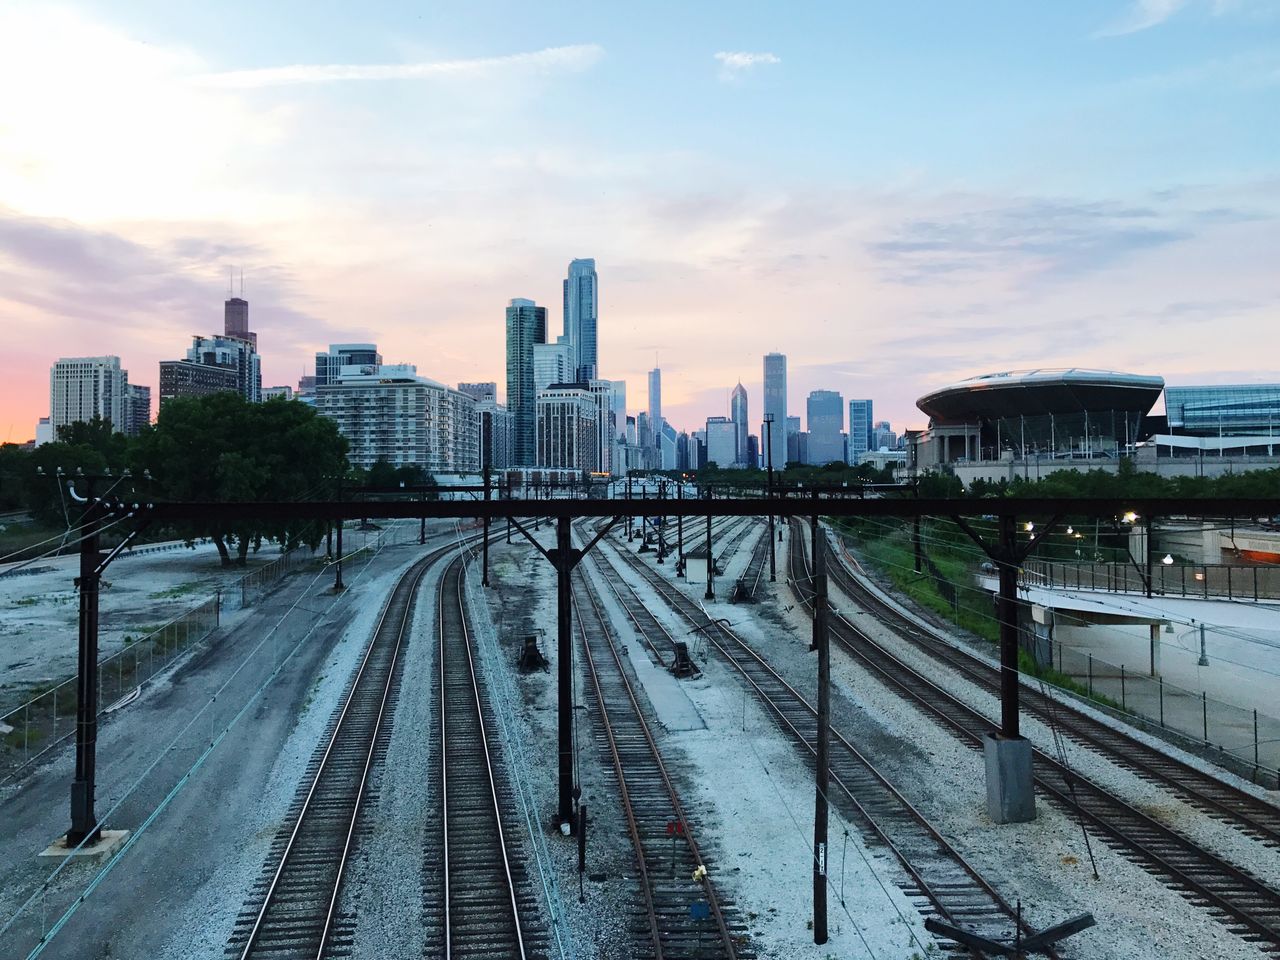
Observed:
{"x":825,"y":410}
{"x":526,"y":326}
{"x":581,"y":316}
{"x":860,"y":427}
{"x":775,"y":408}
{"x":1227,"y":410}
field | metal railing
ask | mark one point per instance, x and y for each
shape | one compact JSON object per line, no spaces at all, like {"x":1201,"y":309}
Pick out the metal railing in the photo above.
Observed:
{"x":34,"y":728}
{"x":1202,"y":581}
{"x":1250,"y":737}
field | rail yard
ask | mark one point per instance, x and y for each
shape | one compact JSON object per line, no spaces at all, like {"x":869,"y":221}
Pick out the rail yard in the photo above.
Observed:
{"x":389,"y":770}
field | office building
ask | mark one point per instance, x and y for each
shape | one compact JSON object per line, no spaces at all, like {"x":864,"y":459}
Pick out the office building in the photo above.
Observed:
{"x":552,"y":363}
{"x":722,"y":442}
{"x":775,"y":405}
{"x":668,"y":447}
{"x":738,"y":414}
{"x":1224,"y":410}
{"x":883,"y":437}
{"x":187,"y":378}
{"x":495,"y":433}
{"x":606,"y":432}
{"x":277,"y":393}
{"x":825,"y":410}
{"x":480,"y":391}
{"x":232,"y":353}
{"x":753,"y":452}
{"x":526,"y":326}
{"x":306,"y":385}
{"x":860,"y":429}
{"x":339,"y":355}
{"x":568,"y":428}
{"x":81,"y":388}
{"x":655,"y":397}
{"x":393,"y":414}
{"x":138,"y":414}
{"x":581,"y":317}
{"x":235,"y":321}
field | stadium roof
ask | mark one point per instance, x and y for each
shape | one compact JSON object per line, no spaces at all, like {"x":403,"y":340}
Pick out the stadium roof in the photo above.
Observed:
{"x":1035,"y":393}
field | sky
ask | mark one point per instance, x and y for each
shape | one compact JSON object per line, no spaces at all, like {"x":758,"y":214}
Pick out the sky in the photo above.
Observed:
{"x":896,"y":195}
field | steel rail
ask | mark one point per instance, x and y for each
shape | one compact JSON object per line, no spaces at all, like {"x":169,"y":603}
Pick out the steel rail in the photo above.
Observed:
{"x":1249,"y":814}
{"x":451,"y":581}
{"x":403,"y":590}
{"x":1231,"y":891}
{"x":659,"y":766}
{"x":872,"y":824}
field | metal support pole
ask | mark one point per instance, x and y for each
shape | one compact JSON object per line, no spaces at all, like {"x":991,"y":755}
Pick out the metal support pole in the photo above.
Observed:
{"x":821,"y":642}
{"x":629,"y":519}
{"x":1204,"y":657}
{"x":422,"y":524}
{"x":1151,"y":549}
{"x":337,"y":582}
{"x":711,"y":564}
{"x":1008,"y":614}
{"x":918,"y":545}
{"x":661,"y":523}
{"x":564,"y":665}
{"x":680,"y":533}
{"x":488,"y":495}
{"x":768,"y":426}
{"x":84,"y":823}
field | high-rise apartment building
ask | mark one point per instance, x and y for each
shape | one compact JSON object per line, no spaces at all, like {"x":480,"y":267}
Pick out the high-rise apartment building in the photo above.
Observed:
{"x":189,"y":378}
{"x":606,"y":432}
{"x":138,"y":414}
{"x":81,"y":388}
{"x":393,"y":414}
{"x":581,"y":317}
{"x":568,"y":428}
{"x":232,"y":353}
{"x":329,"y":365}
{"x":775,"y":404}
{"x":825,"y":409}
{"x":860,"y":429}
{"x":526,"y":326}
{"x":738,"y":414}
{"x":495,"y":433}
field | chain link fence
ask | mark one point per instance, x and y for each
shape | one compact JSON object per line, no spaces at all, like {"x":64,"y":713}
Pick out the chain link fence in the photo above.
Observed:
{"x":1251,"y":738}
{"x":31,"y":730}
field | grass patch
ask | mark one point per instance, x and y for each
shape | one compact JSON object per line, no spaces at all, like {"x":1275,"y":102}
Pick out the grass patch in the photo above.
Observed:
{"x":181,"y":590}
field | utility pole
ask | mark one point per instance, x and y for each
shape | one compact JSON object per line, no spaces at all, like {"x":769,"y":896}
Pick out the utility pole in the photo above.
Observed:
{"x":1008,"y":614}
{"x":564,"y":560}
{"x":661,"y":522}
{"x":680,"y":533}
{"x":629,"y":518}
{"x":422,"y":524}
{"x":768,"y":427}
{"x":484,"y":580}
{"x":821,"y":642}
{"x":84,"y":822}
{"x":711,"y":560}
{"x":337,"y":583}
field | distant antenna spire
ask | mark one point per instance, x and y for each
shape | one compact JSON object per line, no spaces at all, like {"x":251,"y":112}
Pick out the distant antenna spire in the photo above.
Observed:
{"x":230,"y":281}
{"x":242,"y":282}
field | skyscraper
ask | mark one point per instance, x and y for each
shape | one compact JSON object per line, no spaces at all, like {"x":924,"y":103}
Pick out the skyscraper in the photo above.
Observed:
{"x":826,"y":424}
{"x":329,"y":365}
{"x":859,"y":429}
{"x":738,"y":414}
{"x":775,"y":404}
{"x":722,"y":442}
{"x":655,"y":398}
{"x":526,"y":325}
{"x":581,"y":314}
{"x":235,"y":320}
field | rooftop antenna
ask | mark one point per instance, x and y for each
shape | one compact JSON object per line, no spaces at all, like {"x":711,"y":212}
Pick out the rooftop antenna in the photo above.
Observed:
{"x":242,"y":282}
{"x":230,"y":282}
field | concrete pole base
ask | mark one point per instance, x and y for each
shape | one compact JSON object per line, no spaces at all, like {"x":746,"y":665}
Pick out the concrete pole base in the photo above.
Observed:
{"x":1011,"y":796}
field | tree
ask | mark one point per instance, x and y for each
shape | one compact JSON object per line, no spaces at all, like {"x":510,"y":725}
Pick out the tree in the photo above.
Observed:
{"x":220,"y":447}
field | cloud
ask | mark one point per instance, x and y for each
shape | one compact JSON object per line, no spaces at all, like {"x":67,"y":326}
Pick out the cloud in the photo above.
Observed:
{"x":735,"y":64}
{"x":1142,"y":15}
{"x":552,"y":59}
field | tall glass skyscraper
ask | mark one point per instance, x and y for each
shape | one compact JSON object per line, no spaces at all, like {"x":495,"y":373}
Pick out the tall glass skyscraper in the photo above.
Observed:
{"x":655,"y":398}
{"x":526,"y":325}
{"x":860,"y":426}
{"x":775,"y":404}
{"x":581,"y":314}
{"x":738,"y":414}
{"x":826,"y":423}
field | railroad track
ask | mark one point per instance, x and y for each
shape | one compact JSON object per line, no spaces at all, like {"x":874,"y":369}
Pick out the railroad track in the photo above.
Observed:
{"x":719,"y":530}
{"x":295,"y":900}
{"x":939,"y":880}
{"x":1238,"y":899}
{"x":754,"y":575}
{"x":657,"y":639}
{"x":665,"y":861}
{"x":479,"y":901}
{"x":1245,"y":812}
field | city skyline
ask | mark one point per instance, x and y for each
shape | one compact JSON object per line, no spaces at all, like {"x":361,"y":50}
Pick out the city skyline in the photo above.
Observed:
{"x":941,"y":251}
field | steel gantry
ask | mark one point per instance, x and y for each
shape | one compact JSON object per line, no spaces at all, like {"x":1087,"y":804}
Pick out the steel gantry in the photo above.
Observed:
{"x":807,"y":504}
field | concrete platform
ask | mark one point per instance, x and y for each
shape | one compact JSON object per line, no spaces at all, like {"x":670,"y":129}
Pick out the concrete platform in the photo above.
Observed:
{"x":108,"y":842}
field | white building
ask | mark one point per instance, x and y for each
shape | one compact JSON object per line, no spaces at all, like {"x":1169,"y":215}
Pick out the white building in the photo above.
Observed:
{"x":81,"y":388}
{"x":569,"y":428}
{"x":395,"y":415}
